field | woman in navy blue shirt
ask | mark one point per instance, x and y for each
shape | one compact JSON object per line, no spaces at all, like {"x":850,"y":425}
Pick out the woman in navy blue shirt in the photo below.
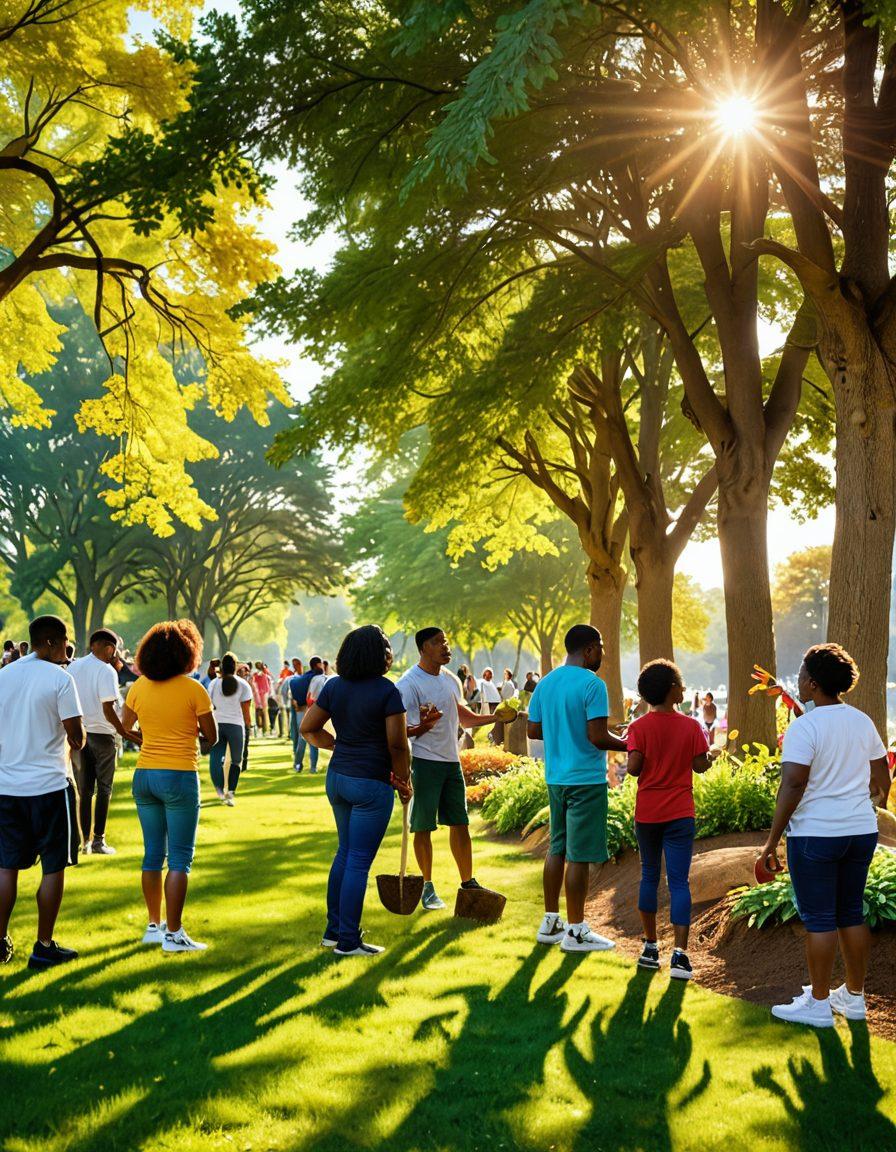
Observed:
{"x":370,"y":751}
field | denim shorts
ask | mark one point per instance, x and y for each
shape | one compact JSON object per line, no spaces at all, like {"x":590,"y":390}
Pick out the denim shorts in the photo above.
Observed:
{"x":168,"y":807}
{"x":828,"y":874}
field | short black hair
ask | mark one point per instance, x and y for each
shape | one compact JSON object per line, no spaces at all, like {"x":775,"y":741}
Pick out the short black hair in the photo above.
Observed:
{"x":170,"y":648}
{"x":579,"y":637}
{"x":362,"y":654}
{"x":44,"y":628}
{"x":426,"y":634}
{"x":105,"y":634}
{"x":8,"y":645}
{"x":657,"y":679}
{"x":314,"y":660}
{"x":832,"y":668}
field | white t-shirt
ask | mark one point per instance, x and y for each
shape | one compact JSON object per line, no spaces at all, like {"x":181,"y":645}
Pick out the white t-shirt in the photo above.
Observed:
{"x":97,"y":684}
{"x":316,"y":684}
{"x":418,"y":687}
{"x":508,"y":689}
{"x":837,"y":742}
{"x":488,"y":691}
{"x":228,"y":709}
{"x":35,"y":697}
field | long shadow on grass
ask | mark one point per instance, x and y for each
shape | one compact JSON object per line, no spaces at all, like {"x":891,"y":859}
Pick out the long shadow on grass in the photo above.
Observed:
{"x":836,"y":1106}
{"x":639,"y":1056}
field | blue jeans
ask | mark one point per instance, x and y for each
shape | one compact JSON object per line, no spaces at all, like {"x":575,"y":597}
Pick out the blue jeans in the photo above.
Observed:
{"x":675,"y":840}
{"x":231,"y":736}
{"x":168,"y":809}
{"x":828,"y":874}
{"x":361,"y":808}
{"x":299,"y":743}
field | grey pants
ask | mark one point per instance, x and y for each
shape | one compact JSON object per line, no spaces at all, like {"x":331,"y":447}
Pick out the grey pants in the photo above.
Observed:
{"x":94,"y":769}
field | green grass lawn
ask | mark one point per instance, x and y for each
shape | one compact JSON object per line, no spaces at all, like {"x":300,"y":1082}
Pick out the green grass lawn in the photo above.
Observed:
{"x":456,"y":1038}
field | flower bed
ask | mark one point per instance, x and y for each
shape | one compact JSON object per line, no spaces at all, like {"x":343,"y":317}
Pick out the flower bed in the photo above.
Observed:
{"x":479,"y":764}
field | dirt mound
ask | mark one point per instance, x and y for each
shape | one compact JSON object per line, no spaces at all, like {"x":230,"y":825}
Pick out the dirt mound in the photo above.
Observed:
{"x":765,"y":966}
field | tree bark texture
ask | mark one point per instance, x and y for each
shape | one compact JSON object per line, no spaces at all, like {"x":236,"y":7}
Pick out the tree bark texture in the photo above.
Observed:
{"x":607,"y":590}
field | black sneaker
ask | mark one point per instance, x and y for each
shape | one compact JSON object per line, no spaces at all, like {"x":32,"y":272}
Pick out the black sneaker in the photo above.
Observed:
{"x":473,"y":883}
{"x":49,"y":955}
{"x":680,"y":967}
{"x":6,"y":950}
{"x":650,"y":956}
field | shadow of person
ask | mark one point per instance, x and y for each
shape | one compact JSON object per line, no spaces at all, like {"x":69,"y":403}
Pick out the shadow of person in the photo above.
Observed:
{"x":838,"y":1101}
{"x":639,"y":1056}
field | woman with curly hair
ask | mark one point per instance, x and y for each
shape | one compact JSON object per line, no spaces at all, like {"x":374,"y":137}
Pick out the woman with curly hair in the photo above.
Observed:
{"x":833,"y":765}
{"x":170,"y":708}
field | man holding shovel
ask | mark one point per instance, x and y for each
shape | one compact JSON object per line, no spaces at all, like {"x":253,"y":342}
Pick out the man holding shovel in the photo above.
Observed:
{"x":432,"y":698}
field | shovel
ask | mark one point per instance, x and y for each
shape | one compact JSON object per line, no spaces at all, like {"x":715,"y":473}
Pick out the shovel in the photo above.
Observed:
{"x":480,"y":904}
{"x":400,"y":894}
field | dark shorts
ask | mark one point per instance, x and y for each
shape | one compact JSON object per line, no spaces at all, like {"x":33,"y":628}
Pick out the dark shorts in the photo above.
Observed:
{"x":44,"y":826}
{"x":440,"y":795}
{"x":94,"y":765}
{"x":579,"y":822}
{"x":828,"y":874}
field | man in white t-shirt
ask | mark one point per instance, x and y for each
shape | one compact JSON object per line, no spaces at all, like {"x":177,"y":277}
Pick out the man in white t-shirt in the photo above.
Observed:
{"x":94,"y":766}
{"x":40,"y":716}
{"x":833,"y":764}
{"x":432,"y":698}
{"x":488,"y":690}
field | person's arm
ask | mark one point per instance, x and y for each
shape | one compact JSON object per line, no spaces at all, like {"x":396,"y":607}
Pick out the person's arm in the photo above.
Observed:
{"x":470,"y":719}
{"x":208,"y":726}
{"x":880,"y":781}
{"x":533,"y":730}
{"x":313,"y":728}
{"x":397,"y":739}
{"x":74,"y":730}
{"x":247,"y":712}
{"x":635,"y":762}
{"x":118,"y":724}
{"x":601,"y":737}
{"x":702,"y":763}
{"x":794,"y":778}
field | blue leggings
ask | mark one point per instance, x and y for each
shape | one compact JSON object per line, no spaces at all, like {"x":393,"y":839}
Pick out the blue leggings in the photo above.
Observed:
{"x":361,"y":808}
{"x":168,"y":808}
{"x":675,"y":839}
{"x":232,"y":736}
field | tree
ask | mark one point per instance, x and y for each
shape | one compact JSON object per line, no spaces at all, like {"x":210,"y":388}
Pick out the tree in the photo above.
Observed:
{"x":157,"y":253}
{"x":801,"y":594}
{"x":272,"y":537}
{"x":56,"y":533}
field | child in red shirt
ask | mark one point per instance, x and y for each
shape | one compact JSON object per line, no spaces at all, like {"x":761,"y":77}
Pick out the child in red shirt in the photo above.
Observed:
{"x":665,"y":748}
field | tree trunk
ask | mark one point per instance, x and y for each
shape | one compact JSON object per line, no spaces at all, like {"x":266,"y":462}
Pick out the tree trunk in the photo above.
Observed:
{"x":861,"y":562}
{"x":516,"y":662}
{"x":742,"y":525}
{"x":606,"y":615}
{"x":545,"y":652}
{"x":655,"y":580}
{"x":171,"y":600}
{"x":79,"y":620}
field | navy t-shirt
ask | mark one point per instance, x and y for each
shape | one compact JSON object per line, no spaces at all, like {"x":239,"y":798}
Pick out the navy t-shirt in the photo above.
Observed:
{"x":299,"y":685}
{"x":358,"y":709}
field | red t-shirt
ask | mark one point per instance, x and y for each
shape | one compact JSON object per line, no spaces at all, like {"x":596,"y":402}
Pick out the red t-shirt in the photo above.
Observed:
{"x":668,"y":741}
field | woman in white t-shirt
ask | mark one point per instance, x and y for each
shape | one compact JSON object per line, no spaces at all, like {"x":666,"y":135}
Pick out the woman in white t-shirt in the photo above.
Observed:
{"x":833,"y":764}
{"x":508,"y":688}
{"x":232,"y":698}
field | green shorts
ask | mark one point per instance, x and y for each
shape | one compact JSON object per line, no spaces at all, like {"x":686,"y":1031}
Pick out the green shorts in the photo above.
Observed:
{"x":579,"y":822}
{"x":440,"y":795}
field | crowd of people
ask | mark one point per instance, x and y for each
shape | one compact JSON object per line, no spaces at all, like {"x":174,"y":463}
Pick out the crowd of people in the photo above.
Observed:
{"x":62,"y":721}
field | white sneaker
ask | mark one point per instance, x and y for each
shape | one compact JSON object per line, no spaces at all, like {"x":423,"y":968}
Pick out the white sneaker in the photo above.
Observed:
{"x":805,"y":1009}
{"x":155,"y":933}
{"x":228,"y":799}
{"x":582,"y":939}
{"x":848,"y":1004}
{"x":219,"y":792}
{"x":181,"y":942}
{"x":362,"y":950}
{"x":552,"y":929}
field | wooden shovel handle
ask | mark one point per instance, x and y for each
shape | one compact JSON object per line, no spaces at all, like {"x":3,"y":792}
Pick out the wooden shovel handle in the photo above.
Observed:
{"x":404,"y":846}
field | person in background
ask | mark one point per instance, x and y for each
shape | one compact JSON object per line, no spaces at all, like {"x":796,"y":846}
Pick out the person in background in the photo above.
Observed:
{"x":489,"y":693}
{"x":262,"y":684}
{"x":326,"y":667}
{"x":23,"y":648}
{"x":462,"y":673}
{"x":39,"y":714}
{"x":568,"y":711}
{"x":833,"y":764}
{"x":232,"y":700}
{"x":298,"y":688}
{"x":297,"y":668}
{"x":211,"y":673}
{"x":531,"y":681}
{"x":285,"y":697}
{"x":471,"y":691}
{"x":369,"y":755}
{"x":8,"y":646}
{"x":169,"y":706}
{"x":431,"y":695}
{"x":314,"y":688}
{"x":275,"y":712}
{"x":665,"y":749}
{"x":94,"y":765}
{"x":508,"y":688}
{"x":707,"y":712}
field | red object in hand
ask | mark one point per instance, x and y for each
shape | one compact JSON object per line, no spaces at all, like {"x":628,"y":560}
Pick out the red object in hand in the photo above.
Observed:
{"x":762,"y":873}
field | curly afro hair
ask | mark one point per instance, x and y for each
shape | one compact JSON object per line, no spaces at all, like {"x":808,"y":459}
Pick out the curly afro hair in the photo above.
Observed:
{"x":832,"y":668}
{"x":657,"y":679}
{"x":170,"y":648}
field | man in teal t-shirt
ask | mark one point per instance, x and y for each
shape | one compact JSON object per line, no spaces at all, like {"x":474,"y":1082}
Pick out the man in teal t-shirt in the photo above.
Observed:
{"x":568,"y":711}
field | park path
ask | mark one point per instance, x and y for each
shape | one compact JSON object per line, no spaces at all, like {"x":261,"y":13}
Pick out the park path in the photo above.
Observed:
{"x":456,"y":1038}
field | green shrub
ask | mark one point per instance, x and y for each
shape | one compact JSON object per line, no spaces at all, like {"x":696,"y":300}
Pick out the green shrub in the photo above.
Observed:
{"x":621,"y":817}
{"x":775,"y":903}
{"x":736,"y":796}
{"x":516,"y":797}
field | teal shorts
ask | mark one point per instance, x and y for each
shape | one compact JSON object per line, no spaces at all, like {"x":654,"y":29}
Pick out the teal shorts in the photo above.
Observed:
{"x":579,"y":822}
{"x":440,"y":795}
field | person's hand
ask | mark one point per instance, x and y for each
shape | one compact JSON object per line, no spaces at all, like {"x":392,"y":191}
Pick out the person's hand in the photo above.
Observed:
{"x":715,"y":752}
{"x":769,"y":856}
{"x":429,"y":717}
{"x":403,"y":788}
{"x":134,"y":738}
